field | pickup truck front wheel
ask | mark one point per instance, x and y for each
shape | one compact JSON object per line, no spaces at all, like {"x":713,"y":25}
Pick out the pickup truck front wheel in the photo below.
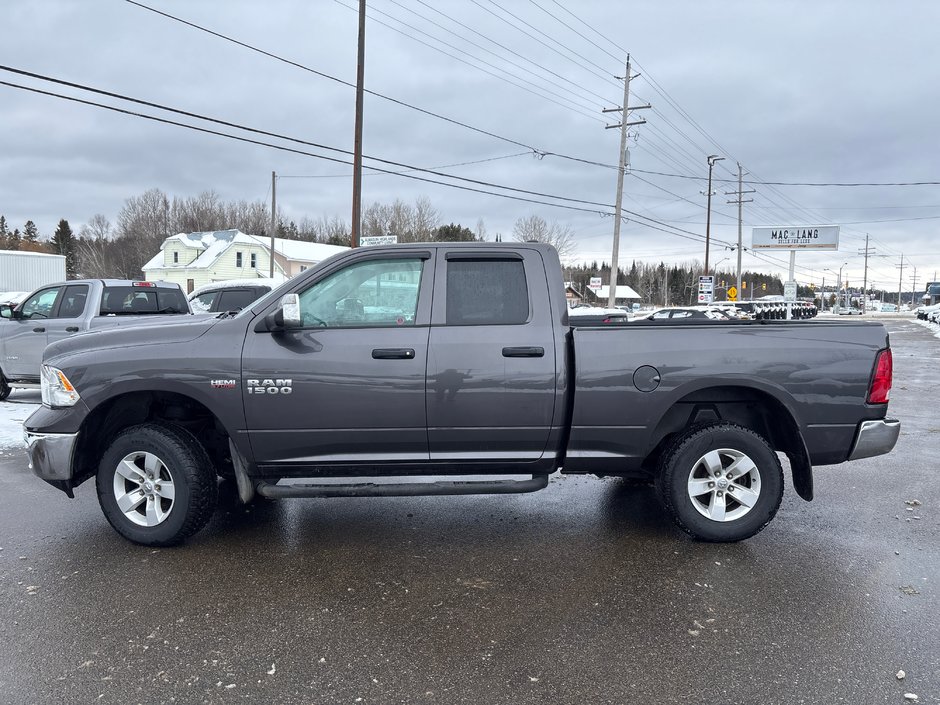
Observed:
{"x":720,"y":482}
{"x":156,"y":484}
{"x":4,"y":387}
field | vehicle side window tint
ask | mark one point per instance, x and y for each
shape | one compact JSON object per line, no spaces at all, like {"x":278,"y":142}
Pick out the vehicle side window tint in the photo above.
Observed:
{"x":73,"y":302}
{"x":486,"y":292}
{"x":660,"y":315}
{"x":40,"y":304}
{"x":365,"y":294}
{"x":682,"y":314}
{"x":236,"y":299}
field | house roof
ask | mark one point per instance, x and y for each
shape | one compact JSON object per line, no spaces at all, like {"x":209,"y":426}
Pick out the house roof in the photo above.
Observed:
{"x":213,"y":244}
{"x":623,"y":292}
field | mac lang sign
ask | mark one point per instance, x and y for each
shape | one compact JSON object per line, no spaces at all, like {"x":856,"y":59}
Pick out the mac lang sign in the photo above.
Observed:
{"x":796,"y":237}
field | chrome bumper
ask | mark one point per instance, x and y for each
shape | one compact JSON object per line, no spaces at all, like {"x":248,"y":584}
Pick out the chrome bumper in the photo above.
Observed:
{"x":50,"y":454}
{"x":875,"y":438}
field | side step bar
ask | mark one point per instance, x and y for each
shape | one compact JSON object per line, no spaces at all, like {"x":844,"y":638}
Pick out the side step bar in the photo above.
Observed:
{"x":410,"y":489}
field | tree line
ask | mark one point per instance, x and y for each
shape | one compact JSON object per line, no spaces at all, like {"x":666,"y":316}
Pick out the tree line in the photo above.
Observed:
{"x":119,"y":249}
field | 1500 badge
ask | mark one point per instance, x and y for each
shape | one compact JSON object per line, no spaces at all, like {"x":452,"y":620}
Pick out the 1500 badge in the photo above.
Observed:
{"x":269,"y":386}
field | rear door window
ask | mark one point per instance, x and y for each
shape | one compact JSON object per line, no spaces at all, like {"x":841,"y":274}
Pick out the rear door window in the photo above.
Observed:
{"x":236,"y":299}
{"x":486,"y":291}
{"x":72,"y":303}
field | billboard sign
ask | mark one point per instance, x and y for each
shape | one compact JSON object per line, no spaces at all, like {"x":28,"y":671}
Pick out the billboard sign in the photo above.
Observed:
{"x":796,"y":237}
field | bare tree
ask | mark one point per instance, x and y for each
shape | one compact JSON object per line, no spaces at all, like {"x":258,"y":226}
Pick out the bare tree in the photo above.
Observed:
{"x":534,"y":228}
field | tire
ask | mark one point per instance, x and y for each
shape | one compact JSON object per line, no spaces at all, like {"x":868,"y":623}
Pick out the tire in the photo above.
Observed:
{"x":133,"y":479}
{"x":714,"y":507}
{"x":4,"y":387}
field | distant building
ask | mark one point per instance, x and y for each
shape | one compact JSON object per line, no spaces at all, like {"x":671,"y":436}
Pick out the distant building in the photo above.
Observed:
{"x":625,"y":294}
{"x":932,"y":295}
{"x":194,"y":259}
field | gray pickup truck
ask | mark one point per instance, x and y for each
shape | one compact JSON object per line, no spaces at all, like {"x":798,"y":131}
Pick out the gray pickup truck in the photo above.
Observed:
{"x":452,"y":360}
{"x":61,"y":310}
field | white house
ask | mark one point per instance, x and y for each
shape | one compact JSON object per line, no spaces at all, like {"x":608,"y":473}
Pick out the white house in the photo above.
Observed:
{"x":194,"y":259}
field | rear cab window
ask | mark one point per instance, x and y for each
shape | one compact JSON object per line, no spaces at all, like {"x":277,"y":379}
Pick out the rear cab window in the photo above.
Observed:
{"x":142,"y":300}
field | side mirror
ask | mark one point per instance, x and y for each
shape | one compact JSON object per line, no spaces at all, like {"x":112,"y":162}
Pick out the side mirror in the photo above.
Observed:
{"x":6,"y":311}
{"x":287,"y":315}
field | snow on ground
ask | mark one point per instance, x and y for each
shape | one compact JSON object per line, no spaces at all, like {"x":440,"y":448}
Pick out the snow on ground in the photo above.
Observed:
{"x":13,"y":412}
{"x":929,"y":326}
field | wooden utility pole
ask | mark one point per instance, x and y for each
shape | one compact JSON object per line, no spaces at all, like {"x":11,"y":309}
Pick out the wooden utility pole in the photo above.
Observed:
{"x":618,"y":204}
{"x":712,"y":158}
{"x":866,"y":252}
{"x":740,"y":200}
{"x":273,"y":220}
{"x":357,"y":142}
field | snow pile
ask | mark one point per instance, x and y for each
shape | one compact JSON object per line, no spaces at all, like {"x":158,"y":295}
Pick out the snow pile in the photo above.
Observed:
{"x":13,"y":412}
{"x":933,"y":327}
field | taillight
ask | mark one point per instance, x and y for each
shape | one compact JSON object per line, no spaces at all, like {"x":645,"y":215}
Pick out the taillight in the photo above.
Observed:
{"x":880,"y":388}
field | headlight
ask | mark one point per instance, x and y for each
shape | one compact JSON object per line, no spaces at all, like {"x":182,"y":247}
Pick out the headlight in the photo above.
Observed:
{"x":56,"y":388}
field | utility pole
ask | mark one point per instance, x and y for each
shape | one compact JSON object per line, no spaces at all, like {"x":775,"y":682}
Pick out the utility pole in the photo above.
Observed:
{"x":357,"y":141}
{"x":712,"y":159}
{"x":900,"y":279}
{"x":273,"y":219}
{"x":740,"y":200}
{"x":624,"y":125}
{"x":914,"y":285}
{"x":867,"y":251}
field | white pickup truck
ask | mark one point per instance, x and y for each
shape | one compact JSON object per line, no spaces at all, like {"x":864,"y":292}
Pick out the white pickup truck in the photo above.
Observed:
{"x":58,"y":311}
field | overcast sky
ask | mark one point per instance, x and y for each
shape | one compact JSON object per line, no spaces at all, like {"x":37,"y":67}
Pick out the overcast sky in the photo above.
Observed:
{"x":823,"y":91}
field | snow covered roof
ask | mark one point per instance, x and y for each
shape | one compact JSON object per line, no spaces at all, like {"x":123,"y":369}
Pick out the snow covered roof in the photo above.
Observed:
{"x":235,"y":283}
{"x":213,"y":244}
{"x":623,"y":292}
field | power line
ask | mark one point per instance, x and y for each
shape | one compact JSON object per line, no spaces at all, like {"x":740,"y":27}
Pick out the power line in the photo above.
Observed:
{"x":442,"y":166}
{"x":753,"y":182}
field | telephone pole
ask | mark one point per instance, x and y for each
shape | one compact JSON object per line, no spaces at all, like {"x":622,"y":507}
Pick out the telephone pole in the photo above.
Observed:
{"x":914,"y":285}
{"x":273,"y":219}
{"x":357,"y":141}
{"x":740,"y":200}
{"x":624,"y":125}
{"x":900,"y":279}
{"x":867,"y":252}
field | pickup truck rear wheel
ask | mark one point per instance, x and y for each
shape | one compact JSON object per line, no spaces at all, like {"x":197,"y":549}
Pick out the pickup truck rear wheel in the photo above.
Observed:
{"x":720,"y":482}
{"x":4,"y":387}
{"x":156,"y":484}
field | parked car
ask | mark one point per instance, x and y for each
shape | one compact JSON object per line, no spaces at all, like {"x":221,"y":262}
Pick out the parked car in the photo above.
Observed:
{"x":701,"y":313}
{"x":231,"y":295}
{"x":61,"y":310}
{"x":597,"y":315}
{"x":923,"y":312}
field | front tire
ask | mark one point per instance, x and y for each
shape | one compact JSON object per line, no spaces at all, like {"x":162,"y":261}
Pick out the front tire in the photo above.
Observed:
{"x":4,"y":387}
{"x":720,"y":482}
{"x":156,"y":485}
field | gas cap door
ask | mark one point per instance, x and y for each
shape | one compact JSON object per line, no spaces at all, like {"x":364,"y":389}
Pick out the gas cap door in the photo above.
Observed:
{"x":646,"y":378}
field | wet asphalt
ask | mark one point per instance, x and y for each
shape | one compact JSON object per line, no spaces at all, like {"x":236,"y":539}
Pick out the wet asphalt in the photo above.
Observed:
{"x":582,"y":593}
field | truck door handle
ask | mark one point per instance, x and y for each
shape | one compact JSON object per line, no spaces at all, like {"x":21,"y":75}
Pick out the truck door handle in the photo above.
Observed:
{"x":39,"y":330}
{"x":72,"y":329}
{"x":524,"y":351}
{"x":393,"y":354}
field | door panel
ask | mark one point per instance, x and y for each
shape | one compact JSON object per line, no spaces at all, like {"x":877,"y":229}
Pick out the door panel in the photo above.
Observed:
{"x":69,"y":311}
{"x":333,"y":392}
{"x":491,"y":361}
{"x":27,"y":335}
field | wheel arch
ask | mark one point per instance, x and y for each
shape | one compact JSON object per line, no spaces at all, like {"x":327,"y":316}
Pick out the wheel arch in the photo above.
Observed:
{"x":130,"y":408}
{"x":765,"y":411}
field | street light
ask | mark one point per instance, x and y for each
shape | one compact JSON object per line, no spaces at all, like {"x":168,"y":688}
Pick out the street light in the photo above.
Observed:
{"x":712,"y":158}
{"x":838,"y":286}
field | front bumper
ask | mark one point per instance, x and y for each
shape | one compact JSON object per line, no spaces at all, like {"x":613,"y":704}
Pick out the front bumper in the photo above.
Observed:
{"x":50,"y":455}
{"x":875,"y":438}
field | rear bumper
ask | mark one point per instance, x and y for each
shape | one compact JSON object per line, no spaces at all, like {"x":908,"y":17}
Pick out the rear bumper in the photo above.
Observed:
{"x":50,"y":455}
{"x":875,"y":438}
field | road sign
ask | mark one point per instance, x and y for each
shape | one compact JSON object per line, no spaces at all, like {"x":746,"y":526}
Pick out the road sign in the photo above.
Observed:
{"x":732,"y":293}
{"x":595,"y":283}
{"x":378,"y":240}
{"x":706,"y":290}
{"x":789,"y":291}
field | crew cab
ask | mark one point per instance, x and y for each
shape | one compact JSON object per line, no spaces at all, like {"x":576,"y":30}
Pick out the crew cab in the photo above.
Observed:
{"x":453,"y":359}
{"x":61,"y":310}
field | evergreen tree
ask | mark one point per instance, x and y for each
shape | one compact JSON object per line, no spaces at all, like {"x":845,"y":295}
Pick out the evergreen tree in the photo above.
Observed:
{"x":13,"y":240}
{"x":4,"y":232}
{"x":454,"y":233}
{"x":63,"y":241}
{"x":31,"y":232}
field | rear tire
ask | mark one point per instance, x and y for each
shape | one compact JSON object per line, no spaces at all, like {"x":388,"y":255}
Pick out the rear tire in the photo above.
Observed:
{"x":156,"y":484}
{"x":721,"y":482}
{"x":4,"y":387}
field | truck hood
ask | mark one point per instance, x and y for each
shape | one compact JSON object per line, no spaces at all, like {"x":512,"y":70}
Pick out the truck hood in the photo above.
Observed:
{"x":156,"y":330}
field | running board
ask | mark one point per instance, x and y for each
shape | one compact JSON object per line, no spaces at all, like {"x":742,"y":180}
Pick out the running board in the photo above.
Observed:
{"x":410,"y":489}
{"x":24,"y":385}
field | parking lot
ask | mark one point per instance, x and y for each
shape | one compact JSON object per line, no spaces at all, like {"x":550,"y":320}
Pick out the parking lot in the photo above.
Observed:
{"x":582,"y":593}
